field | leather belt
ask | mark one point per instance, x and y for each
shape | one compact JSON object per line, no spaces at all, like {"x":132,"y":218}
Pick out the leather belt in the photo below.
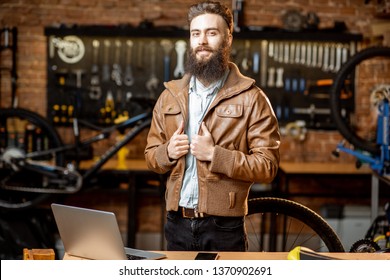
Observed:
{"x":190,"y":213}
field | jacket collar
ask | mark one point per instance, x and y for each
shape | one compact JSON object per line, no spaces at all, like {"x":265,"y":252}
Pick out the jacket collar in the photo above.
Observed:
{"x":234,"y":84}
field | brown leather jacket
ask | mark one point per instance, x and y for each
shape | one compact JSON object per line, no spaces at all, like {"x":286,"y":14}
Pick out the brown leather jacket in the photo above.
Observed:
{"x":245,"y":132}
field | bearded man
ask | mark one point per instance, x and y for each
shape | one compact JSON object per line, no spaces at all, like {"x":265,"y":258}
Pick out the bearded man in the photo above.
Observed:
{"x":214,"y":133}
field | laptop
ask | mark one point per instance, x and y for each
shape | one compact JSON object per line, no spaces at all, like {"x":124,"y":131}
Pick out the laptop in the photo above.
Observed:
{"x":94,"y":234}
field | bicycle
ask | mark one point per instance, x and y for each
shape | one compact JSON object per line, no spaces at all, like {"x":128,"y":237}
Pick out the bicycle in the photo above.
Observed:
{"x":370,"y":143}
{"x":34,"y":170}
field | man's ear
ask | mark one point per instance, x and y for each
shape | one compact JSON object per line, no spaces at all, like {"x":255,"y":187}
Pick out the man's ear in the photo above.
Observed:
{"x":230,"y":39}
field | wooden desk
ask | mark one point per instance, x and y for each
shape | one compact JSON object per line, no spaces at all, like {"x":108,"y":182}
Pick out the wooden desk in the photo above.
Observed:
{"x":323,"y":168}
{"x":172,"y":255}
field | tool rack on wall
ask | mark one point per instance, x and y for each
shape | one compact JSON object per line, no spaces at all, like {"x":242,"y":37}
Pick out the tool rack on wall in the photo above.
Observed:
{"x":104,"y":68}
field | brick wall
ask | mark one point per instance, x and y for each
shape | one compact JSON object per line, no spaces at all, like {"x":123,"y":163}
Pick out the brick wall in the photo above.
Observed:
{"x":31,"y":16}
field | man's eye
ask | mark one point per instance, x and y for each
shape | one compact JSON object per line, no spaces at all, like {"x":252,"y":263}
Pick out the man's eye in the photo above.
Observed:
{"x":211,"y":33}
{"x":195,"y":34}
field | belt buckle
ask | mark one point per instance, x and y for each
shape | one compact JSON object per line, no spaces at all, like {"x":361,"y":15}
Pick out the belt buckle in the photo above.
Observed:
{"x":183,"y":210}
{"x":196,"y":215}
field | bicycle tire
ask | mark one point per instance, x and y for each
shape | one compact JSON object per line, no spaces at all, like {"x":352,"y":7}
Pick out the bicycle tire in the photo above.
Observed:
{"x":10,"y":199}
{"x":311,"y":223}
{"x":335,"y":98}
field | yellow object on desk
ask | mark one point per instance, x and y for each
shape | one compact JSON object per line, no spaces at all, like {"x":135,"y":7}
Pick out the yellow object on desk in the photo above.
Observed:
{"x":38,"y":254}
{"x":303,"y":253}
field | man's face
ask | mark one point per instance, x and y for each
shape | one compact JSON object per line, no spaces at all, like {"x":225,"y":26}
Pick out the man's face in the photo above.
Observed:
{"x":210,"y":42}
{"x":207,"y":34}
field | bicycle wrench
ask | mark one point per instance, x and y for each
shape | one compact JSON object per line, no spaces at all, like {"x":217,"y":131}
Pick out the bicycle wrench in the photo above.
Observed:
{"x":344,"y":54}
{"x":263,"y":62}
{"x":286,"y":58}
{"x":271,"y":77}
{"x":325,"y":64}
{"x":180,"y":48}
{"x":129,"y":78}
{"x":320,"y":56}
{"x":95,"y":90}
{"x":303,"y":53}
{"x":292,"y":53}
{"x":106,"y":67}
{"x":167,"y":46}
{"x":153,"y":81}
{"x":116,"y":74}
{"x":246,"y":63}
{"x":279,"y":77}
{"x":271,"y":49}
{"x":332,"y":57}
{"x":281,"y":52}
{"x":140,"y":55}
{"x":338,"y":57}
{"x":297,"y":53}
{"x":309,"y":50}
{"x":315,"y":55}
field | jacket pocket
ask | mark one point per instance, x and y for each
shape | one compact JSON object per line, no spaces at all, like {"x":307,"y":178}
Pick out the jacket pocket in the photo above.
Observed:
{"x":229,"y":111}
{"x":171,"y":109}
{"x":172,"y":118}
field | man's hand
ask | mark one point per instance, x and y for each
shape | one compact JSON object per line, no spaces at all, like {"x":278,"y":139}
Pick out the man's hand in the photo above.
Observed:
{"x":202,"y":146}
{"x":178,"y":144}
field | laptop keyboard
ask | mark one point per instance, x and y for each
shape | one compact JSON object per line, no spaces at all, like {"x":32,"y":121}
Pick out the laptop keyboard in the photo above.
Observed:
{"x":134,"y":257}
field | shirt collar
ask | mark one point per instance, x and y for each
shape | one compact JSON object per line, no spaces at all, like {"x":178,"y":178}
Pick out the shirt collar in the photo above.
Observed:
{"x":213,"y":88}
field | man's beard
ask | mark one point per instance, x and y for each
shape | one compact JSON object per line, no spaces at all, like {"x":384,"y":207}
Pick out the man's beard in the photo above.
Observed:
{"x":212,"y":69}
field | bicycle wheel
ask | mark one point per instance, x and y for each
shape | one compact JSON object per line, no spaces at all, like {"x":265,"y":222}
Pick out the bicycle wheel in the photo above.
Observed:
{"x":363,"y":74}
{"x":22,"y":132}
{"x":286,"y":224}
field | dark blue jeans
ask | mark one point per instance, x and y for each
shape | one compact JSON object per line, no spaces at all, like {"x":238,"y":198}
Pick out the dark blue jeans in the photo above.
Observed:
{"x":205,"y":234}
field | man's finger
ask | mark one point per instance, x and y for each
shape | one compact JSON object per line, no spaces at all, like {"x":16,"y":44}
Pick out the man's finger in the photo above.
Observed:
{"x":205,"y":129}
{"x":180,"y":129}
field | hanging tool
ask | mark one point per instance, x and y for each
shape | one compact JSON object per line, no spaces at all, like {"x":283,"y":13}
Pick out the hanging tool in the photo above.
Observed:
{"x":95,"y":90}
{"x":106,"y":66}
{"x":116,"y":73}
{"x":167,"y":46}
{"x":263,"y":61}
{"x":129,"y":78}
{"x":180,"y":48}
{"x":153,"y":81}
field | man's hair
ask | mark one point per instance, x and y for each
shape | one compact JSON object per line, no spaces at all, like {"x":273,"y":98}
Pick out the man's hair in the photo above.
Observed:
{"x":211,"y":7}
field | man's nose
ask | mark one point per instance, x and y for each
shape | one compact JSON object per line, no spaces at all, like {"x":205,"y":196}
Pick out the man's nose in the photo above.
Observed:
{"x":202,"y":39}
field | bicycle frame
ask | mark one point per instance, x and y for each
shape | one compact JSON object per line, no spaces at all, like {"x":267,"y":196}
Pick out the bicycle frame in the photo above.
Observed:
{"x":137,"y":123}
{"x":378,"y":163}
{"x":141,"y":122}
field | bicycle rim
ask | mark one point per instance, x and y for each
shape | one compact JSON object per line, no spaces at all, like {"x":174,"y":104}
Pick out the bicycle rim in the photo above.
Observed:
{"x":16,"y":124}
{"x":277,"y":224}
{"x":367,"y":68}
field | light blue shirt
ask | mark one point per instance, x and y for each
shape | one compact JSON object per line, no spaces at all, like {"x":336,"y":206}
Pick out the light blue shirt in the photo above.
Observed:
{"x":200,"y":98}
